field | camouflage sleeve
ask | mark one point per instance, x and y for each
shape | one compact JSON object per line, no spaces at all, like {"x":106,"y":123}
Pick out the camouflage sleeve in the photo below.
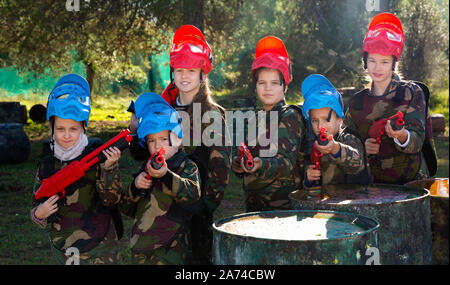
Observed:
{"x":34,"y":204}
{"x":183,"y":187}
{"x":109,"y":184}
{"x":351,"y":160}
{"x":289,"y":143}
{"x":219,"y":167}
{"x":128,"y":199}
{"x":414,"y":120}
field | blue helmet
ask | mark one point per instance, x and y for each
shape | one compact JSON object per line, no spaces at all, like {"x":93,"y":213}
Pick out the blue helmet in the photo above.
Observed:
{"x":318,"y":93}
{"x":154,"y":115}
{"x":70,"y":99}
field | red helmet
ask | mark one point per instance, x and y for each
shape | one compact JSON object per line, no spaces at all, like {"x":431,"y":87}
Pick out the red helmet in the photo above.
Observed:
{"x":271,"y":53}
{"x":385,"y":36}
{"x":190,"y":50}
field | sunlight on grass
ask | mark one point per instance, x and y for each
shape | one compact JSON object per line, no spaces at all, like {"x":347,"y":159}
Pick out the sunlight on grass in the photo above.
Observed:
{"x":111,"y":108}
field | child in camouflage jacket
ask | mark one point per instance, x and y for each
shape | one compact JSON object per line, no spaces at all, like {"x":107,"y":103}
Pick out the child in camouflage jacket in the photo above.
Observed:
{"x":85,"y":225}
{"x":340,"y":153}
{"x":158,"y":199}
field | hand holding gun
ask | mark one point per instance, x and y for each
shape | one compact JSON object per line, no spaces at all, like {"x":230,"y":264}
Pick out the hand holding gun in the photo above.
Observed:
{"x":378,"y":128}
{"x":244,"y":152}
{"x":156,"y":161}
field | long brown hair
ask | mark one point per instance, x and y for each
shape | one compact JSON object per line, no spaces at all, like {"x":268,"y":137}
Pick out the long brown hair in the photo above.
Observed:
{"x":205,"y":98}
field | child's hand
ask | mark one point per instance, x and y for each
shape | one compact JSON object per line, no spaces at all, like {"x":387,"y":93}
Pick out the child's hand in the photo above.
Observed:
{"x":157,"y":173}
{"x":47,"y":208}
{"x":256,"y":162}
{"x":236,"y":165}
{"x":312,"y":174}
{"x":400,"y":135}
{"x":112,"y":156}
{"x":332,"y":146}
{"x":372,"y":147}
{"x":141,"y":181}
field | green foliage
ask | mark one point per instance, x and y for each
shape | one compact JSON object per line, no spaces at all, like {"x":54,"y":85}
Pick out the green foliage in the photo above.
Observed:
{"x":104,"y":35}
{"x":439,"y":103}
{"x":425,"y":55}
{"x":115,"y":40}
{"x":320,"y":36}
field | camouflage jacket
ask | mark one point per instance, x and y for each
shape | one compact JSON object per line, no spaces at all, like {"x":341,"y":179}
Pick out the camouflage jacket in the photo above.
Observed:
{"x":393,"y":164}
{"x":85,"y":211}
{"x":215,"y":159}
{"x":345,"y":168}
{"x":268,"y":188}
{"x":158,"y":215}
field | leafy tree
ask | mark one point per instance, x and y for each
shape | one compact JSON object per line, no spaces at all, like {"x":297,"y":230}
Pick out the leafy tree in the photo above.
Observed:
{"x":104,"y":35}
{"x":425,"y":54}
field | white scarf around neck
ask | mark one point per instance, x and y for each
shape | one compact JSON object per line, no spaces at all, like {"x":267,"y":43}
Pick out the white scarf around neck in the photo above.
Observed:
{"x":71,"y":153}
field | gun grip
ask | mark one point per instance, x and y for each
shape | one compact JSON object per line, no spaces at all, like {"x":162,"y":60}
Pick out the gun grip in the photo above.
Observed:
{"x":53,"y":218}
{"x":120,"y":144}
{"x":142,"y":192}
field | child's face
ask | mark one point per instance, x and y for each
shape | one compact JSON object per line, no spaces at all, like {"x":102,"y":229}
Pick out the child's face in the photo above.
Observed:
{"x":187,"y":80}
{"x":379,"y":67}
{"x":269,"y":88}
{"x":319,"y":119}
{"x":161,"y":139}
{"x":67,"y":132}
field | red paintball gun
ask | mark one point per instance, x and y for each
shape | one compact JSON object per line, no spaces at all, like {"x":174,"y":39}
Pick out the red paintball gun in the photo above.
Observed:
{"x":315,"y":158}
{"x":156,"y":161}
{"x":57,"y":183}
{"x":316,"y":155}
{"x":244,"y":152}
{"x":378,"y":128}
{"x":323,"y":137}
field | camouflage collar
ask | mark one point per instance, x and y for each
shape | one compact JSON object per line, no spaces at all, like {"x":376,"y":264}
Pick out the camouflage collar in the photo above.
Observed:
{"x":392,"y":87}
{"x":278,"y":106}
{"x":176,"y":160}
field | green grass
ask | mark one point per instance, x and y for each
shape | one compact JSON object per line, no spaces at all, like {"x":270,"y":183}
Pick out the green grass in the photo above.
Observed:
{"x":110,"y":108}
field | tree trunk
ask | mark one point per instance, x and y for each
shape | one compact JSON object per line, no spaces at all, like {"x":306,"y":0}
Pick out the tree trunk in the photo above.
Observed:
{"x":193,"y":13}
{"x":90,"y":75}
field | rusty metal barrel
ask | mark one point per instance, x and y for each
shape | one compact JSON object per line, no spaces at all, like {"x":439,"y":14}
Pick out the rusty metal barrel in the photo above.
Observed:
{"x":403,"y":213}
{"x":439,"y":203}
{"x":295,"y":237}
{"x":15,"y":146}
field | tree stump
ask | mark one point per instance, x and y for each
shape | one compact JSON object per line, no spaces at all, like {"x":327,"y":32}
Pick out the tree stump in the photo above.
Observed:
{"x":14,"y":144}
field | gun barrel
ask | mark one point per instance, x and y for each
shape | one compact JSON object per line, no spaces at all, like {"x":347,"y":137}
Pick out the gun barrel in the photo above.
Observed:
{"x":157,"y":160}
{"x":323,"y":137}
{"x":245,"y":153}
{"x":397,"y":121}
